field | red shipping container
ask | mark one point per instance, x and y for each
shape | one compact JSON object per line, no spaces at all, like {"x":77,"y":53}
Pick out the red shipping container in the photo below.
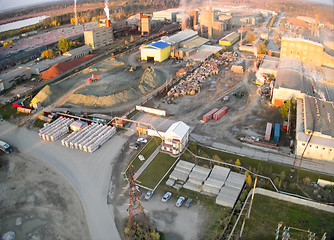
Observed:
{"x":221,"y":112}
{"x":208,"y":116}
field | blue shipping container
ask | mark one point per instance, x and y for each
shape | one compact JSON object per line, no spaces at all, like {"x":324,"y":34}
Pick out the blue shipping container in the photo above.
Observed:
{"x":99,"y":120}
{"x":277,"y":132}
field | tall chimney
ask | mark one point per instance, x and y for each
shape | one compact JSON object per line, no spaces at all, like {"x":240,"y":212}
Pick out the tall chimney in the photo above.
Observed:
{"x":75,"y":13}
{"x":107,"y":23}
{"x":242,"y":29}
{"x":210,"y":22}
{"x":316,"y":26}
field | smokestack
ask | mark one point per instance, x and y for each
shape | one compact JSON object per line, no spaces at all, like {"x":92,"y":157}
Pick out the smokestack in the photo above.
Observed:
{"x":75,"y":13}
{"x":107,"y":23}
{"x":316,"y":26}
{"x":83,"y":26}
{"x":242,"y":29}
{"x":210,"y":23}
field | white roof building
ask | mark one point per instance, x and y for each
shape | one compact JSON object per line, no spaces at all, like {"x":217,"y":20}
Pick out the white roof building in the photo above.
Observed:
{"x":175,"y":138}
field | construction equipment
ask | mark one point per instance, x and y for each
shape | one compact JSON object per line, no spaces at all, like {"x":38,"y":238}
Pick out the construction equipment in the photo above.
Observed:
{"x":94,"y":78}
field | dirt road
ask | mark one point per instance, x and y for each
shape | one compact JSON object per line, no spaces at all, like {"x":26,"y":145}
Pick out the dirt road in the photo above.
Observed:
{"x":89,"y":174}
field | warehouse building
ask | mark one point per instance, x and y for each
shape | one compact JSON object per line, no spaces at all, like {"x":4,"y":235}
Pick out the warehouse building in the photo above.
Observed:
{"x":306,"y":51}
{"x":78,"y":52}
{"x":8,"y":79}
{"x":269,"y":65}
{"x":100,"y":36}
{"x":291,"y":82}
{"x":155,"y":52}
{"x":315,"y":115}
{"x":175,"y":138}
{"x":169,"y":14}
{"x":229,"y":39}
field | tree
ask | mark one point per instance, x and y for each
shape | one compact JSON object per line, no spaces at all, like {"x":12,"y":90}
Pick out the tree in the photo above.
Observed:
{"x":94,"y":19}
{"x":261,"y":48}
{"x":48,"y":54}
{"x":250,"y":37}
{"x":63,"y":45}
{"x":5,"y":44}
{"x":132,"y":38}
{"x":72,"y":20}
{"x":10,"y":43}
{"x":237,"y":162}
{"x":284,"y":110}
{"x":126,"y":42}
{"x":248,"y":178}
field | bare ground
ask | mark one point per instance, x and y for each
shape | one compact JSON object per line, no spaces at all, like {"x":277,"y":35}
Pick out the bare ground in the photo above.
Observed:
{"x":36,"y":203}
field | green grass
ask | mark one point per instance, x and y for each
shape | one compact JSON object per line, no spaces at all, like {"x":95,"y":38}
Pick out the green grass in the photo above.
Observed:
{"x":147,"y":151}
{"x":39,"y":123}
{"x":8,"y":111}
{"x":268,"y":212}
{"x":153,"y":173}
{"x":131,"y":114}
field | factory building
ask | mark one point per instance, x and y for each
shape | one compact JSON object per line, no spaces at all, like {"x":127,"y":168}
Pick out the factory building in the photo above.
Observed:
{"x":295,"y":79}
{"x":155,"y":52}
{"x":169,"y":14}
{"x":144,"y":24}
{"x":306,"y":51}
{"x":291,"y":82}
{"x":315,"y":121}
{"x":78,"y":52}
{"x":8,"y":79}
{"x":229,"y":39}
{"x":175,"y":138}
{"x":101,"y":36}
{"x":269,"y":65}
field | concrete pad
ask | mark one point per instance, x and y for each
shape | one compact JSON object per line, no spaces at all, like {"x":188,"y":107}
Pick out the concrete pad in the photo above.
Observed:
{"x":233,"y":149}
{"x":219,"y":146}
{"x":247,"y":152}
{"x":275,"y":157}
{"x":261,"y":155}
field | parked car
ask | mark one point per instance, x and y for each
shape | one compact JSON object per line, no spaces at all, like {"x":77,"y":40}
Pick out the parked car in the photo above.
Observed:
{"x":166,"y":197}
{"x":134,"y":146}
{"x":188,"y":203}
{"x":148,"y":195}
{"x":180,"y":201}
{"x":142,"y":140}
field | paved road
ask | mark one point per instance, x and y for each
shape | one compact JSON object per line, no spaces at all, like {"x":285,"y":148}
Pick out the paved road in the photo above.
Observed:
{"x":268,"y":155}
{"x":89,"y":174}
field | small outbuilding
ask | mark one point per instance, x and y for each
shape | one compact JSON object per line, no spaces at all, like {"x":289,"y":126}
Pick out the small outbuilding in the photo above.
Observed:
{"x":155,"y":51}
{"x":78,"y":125}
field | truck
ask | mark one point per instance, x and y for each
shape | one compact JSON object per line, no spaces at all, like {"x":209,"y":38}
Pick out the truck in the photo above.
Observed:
{"x":5,"y":147}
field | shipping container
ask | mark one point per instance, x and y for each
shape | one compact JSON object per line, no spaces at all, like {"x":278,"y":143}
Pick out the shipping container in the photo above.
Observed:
{"x":208,"y":116}
{"x":268,"y":131}
{"x":221,"y":112}
{"x":99,"y":120}
{"x":277,"y":132}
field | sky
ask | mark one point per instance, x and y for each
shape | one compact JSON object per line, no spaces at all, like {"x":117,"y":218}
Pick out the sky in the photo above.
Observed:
{"x":5,"y":4}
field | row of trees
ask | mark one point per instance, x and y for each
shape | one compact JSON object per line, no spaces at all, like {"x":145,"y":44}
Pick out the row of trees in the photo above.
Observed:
{"x":9,"y":43}
{"x":63,"y":45}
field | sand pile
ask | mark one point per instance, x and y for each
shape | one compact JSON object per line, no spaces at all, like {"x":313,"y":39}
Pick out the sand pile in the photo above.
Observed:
{"x":89,"y":96}
{"x":44,"y":96}
{"x":62,"y":67}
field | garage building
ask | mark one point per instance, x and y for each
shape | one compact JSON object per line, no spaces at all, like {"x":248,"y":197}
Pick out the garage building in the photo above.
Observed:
{"x":155,"y":52}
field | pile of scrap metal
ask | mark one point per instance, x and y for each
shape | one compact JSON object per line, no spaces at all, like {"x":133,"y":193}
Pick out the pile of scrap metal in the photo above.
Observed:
{"x":193,"y":82}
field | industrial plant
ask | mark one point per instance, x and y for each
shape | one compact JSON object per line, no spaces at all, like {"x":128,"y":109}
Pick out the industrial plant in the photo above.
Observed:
{"x":167,"y":120}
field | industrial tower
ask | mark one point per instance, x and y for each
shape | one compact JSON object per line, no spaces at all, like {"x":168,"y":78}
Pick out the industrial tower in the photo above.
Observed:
{"x":136,"y":210}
